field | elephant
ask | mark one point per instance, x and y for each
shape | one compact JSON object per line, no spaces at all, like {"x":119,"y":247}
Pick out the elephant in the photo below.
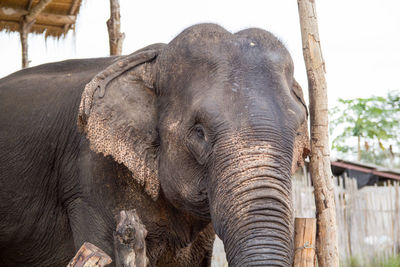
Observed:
{"x":200,"y":136}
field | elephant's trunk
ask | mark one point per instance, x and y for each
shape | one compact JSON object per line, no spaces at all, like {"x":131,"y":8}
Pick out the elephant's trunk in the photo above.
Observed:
{"x":250,"y":202}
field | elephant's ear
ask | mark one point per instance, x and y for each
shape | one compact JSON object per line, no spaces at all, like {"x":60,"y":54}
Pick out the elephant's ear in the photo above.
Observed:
{"x":118,"y":115}
{"x":296,"y":88}
{"x":301,"y":148}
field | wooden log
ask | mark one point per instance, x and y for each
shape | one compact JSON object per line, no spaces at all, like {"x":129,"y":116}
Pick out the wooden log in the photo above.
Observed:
{"x":55,"y":19}
{"x":129,"y":241}
{"x":320,"y":170}
{"x":90,"y":256}
{"x":304,"y":242}
{"x":116,"y":38}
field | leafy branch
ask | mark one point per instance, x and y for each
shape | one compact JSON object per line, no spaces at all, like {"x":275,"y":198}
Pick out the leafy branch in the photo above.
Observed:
{"x":375,"y":121}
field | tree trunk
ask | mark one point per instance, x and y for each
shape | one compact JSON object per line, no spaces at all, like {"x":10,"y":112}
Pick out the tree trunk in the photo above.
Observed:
{"x":327,"y":248}
{"x":114,"y":25}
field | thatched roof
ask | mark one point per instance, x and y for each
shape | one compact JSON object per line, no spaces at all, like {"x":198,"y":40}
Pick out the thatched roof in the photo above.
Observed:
{"x":55,"y":19}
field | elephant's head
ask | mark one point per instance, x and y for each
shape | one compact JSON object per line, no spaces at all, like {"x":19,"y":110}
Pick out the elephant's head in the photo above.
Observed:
{"x":217,"y":121}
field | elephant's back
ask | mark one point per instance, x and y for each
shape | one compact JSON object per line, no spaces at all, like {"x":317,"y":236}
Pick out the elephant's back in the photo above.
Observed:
{"x":43,"y":98}
{"x":38,"y":107}
{"x":38,"y":140}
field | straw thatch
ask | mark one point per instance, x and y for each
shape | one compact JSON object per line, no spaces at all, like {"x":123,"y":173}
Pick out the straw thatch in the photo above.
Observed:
{"x":55,"y":19}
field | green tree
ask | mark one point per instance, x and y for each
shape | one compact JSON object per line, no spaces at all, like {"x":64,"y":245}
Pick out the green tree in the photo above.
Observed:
{"x":369,"y":127}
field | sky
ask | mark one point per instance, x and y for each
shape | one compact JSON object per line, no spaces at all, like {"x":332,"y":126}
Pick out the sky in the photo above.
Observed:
{"x":360,"y":39}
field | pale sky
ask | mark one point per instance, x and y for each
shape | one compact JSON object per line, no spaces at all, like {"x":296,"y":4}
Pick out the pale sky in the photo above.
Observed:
{"x":360,"y":38}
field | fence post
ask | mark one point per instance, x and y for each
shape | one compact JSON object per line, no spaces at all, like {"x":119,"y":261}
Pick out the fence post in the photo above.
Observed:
{"x":304,"y":242}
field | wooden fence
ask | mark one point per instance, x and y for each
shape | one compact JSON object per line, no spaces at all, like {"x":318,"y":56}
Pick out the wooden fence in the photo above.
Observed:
{"x":368,"y":219}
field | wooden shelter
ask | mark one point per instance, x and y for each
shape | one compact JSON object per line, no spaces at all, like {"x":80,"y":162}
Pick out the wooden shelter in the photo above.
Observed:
{"x":49,"y":17}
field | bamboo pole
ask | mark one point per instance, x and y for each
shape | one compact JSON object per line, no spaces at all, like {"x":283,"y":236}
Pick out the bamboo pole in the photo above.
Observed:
{"x":114,"y":29}
{"x":304,"y":242}
{"x":327,"y":248}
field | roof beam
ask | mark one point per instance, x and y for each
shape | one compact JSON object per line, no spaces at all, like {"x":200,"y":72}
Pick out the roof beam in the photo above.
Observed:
{"x":74,"y":7}
{"x":36,"y":10}
{"x":15,"y":14}
{"x":16,"y":25}
{"x":29,"y":5}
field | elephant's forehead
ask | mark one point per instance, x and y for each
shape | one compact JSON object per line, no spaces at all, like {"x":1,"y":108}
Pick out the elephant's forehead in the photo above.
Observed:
{"x":212,"y":43}
{"x":244,"y":95}
{"x":238,"y":51}
{"x":240,"y":103}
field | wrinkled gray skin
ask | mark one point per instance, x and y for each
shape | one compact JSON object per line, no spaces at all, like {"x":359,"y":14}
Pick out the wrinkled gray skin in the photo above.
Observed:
{"x":216,"y":119}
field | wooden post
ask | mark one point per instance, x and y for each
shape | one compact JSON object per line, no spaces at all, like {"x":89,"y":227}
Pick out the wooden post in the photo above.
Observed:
{"x":26,"y":24}
{"x":304,"y":242}
{"x":320,"y":168}
{"x":90,"y":256}
{"x":114,"y":28}
{"x":23,"y":33}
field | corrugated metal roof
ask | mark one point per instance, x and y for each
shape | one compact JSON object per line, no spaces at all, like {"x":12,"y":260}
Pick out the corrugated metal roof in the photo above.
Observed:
{"x":367,"y":168}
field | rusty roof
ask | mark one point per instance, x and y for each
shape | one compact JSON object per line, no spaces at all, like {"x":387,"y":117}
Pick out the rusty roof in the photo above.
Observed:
{"x":55,"y":19}
{"x":367,"y":168}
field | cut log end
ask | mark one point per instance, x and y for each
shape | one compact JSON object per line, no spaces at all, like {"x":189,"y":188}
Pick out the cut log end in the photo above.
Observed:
{"x":90,"y":256}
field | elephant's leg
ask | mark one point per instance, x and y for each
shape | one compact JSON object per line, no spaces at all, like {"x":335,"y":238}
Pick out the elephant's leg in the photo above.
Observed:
{"x":90,"y":224}
{"x":90,"y":200}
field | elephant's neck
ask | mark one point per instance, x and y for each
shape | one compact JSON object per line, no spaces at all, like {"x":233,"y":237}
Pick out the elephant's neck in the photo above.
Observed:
{"x":169,"y":229}
{"x":180,"y":237}
{"x":181,"y":227}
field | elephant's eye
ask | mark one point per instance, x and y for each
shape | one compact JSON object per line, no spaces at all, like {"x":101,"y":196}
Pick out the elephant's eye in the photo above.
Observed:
{"x":199,"y":131}
{"x":197,"y":143}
